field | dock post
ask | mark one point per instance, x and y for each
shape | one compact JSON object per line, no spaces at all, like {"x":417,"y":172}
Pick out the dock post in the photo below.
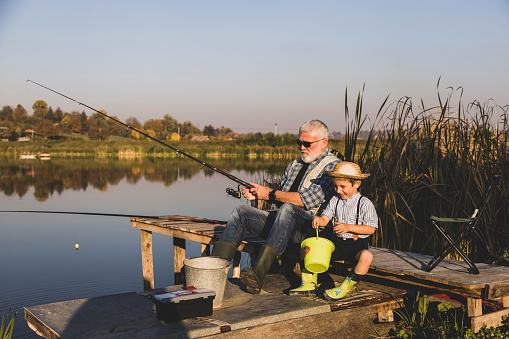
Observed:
{"x":147,"y":260}
{"x":179,"y":254}
{"x":236,"y":264}
{"x":474,"y":307}
{"x":205,"y":250}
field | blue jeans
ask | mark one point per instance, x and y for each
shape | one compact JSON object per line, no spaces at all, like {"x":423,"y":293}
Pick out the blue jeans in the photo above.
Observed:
{"x":277,"y":227}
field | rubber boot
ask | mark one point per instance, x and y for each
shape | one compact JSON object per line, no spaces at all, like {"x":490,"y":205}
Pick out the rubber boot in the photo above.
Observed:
{"x":308,"y":286}
{"x":341,"y":291}
{"x":223,"y":250}
{"x":253,"y":278}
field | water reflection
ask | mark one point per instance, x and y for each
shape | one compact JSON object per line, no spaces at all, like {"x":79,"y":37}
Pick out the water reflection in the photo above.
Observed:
{"x":56,"y":176}
{"x":38,"y":260}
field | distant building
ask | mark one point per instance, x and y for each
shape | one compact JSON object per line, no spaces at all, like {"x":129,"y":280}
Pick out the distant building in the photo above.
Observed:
{"x":231,"y":135}
{"x":200,"y":138}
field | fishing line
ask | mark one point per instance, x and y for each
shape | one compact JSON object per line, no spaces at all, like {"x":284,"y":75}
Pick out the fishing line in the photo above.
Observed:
{"x":73,"y":228}
{"x":228,"y":175}
{"x":163,"y":217}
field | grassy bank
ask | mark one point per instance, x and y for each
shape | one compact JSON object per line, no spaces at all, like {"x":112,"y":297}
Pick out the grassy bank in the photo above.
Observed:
{"x":129,"y":148}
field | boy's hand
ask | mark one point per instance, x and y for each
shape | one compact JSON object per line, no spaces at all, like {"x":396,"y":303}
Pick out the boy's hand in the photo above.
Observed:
{"x":340,"y":228}
{"x":316,"y":222}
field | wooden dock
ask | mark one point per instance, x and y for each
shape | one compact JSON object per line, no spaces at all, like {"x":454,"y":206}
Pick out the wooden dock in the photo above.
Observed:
{"x":268,"y":314}
{"x":391,"y":265}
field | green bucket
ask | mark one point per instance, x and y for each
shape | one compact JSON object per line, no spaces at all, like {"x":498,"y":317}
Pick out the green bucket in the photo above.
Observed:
{"x":317,"y":254}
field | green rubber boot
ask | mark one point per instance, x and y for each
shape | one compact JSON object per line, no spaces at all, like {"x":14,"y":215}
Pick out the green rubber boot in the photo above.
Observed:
{"x":341,"y":291}
{"x":253,"y":278}
{"x":223,"y":250}
{"x":308,"y":286}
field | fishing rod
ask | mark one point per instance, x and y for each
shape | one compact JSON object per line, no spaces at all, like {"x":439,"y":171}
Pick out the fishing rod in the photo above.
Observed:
{"x":163,"y":217}
{"x":230,"y":191}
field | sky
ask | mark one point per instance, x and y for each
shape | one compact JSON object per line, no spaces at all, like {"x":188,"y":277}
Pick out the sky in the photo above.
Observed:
{"x":253,"y":66}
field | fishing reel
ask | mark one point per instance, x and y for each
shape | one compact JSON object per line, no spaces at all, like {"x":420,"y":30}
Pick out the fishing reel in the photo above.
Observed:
{"x":234,"y":193}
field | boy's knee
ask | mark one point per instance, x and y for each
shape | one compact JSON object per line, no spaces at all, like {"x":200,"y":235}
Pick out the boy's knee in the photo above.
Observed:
{"x":366,"y":256}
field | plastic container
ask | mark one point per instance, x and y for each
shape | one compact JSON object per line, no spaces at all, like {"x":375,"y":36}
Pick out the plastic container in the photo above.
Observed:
{"x":317,"y":254}
{"x":209,"y":273}
{"x":178,"y":305}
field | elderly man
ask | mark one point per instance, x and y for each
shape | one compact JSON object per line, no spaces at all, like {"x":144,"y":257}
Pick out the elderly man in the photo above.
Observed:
{"x":304,"y":189}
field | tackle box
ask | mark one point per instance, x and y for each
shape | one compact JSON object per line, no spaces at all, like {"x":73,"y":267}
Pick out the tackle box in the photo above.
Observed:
{"x":183,"y":304}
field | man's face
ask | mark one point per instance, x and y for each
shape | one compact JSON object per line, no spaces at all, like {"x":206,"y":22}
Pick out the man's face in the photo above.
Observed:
{"x":345,"y":188}
{"x":316,"y":146}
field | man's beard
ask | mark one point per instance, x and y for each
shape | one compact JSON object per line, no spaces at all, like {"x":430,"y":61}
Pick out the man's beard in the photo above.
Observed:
{"x":309,"y":157}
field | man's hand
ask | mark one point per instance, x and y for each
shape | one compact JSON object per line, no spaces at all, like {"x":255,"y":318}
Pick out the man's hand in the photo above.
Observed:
{"x":256,"y":192}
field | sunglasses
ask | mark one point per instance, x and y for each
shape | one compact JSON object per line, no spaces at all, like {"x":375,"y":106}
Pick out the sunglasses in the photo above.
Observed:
{"x":307,"y":143}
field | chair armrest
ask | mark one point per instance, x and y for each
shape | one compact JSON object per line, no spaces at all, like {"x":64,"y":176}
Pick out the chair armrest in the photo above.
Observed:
{"x":451,"y":219}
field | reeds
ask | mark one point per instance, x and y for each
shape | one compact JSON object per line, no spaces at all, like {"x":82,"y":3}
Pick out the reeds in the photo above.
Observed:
{"x":6,"y":328}
{"x":434,"y":161}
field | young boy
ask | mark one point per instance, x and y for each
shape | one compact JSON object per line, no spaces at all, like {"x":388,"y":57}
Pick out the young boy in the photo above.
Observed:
{"x":354,"y":219}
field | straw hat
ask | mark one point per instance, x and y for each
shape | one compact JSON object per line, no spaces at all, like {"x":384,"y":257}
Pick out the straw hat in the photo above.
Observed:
{"x":347,"y":170}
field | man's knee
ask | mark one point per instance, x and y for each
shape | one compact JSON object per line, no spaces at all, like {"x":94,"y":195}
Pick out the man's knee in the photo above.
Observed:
{"x":286,"y":207}
{"x":240,"y":211}
{"x":289,"y":209}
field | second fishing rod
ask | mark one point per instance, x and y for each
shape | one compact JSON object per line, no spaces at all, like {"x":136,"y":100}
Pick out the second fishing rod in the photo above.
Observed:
{"x":230,"y":191}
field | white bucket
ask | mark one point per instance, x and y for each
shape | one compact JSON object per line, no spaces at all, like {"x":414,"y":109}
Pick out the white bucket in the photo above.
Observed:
{"x":208,"y":272}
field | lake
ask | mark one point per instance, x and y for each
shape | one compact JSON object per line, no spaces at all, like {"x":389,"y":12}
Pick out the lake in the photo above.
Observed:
{"x":38,"y":260}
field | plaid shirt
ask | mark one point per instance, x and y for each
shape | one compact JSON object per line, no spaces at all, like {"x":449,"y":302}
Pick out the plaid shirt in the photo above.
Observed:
{"x":321,"y":188}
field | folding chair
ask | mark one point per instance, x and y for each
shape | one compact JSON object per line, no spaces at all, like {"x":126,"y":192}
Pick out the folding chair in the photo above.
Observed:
{"x":469,"y":228}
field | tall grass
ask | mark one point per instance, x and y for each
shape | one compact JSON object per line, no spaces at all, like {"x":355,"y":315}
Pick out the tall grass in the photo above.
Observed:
{"x":434,"y":161}
{"x":7,"y":326}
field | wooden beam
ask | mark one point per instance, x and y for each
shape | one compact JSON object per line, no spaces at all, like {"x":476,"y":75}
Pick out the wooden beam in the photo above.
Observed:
{"x":386,"y":316}
{"x":497,"y":290}
{"x":39,"y":327}
{"x":236,"y":264}
{"x":492,"y":319}
{"x":179,"y":254}
{"x":505,"y":301}
{"x":205,"y":250}
{"x":204,"y":239}
{"x":474,"y":307}
{"x":147,"y":260}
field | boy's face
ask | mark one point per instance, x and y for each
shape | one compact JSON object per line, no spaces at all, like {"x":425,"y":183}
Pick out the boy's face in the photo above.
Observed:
{"x":345,"y":188}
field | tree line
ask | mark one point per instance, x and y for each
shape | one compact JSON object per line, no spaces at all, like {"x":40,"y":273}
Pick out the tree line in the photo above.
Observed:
{"x":52,"y":123}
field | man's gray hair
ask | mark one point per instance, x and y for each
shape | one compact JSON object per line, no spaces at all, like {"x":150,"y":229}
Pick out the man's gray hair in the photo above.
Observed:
{"x":315,"y":125}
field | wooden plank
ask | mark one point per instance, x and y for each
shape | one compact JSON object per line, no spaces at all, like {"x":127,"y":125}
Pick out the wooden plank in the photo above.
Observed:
{"x":173,"y":233}
{"x":236,"y":265}
{"x":497,"y":290}
{"x":179,"y":254}
{"x":386,"y":316}
{"x":405,"y":279}
{"x":205,"y":250}
{"x":492,"y":319}
{"x":448,"y":278}
{"x":147,"y":260}
{"x":474,"y":307}
{"x":39,"y":327}
{"x":389,"y":305}
{"x":505,"y":301}
{"x":407,"y":267}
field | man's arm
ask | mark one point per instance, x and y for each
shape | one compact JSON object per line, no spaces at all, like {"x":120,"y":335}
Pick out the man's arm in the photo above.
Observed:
{"x":262,"y":193}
